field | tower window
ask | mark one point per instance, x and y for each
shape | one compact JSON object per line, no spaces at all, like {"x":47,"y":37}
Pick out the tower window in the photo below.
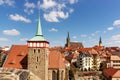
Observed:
{"x":37,"y":58}
{"x":38,"y":50}
{"x":34,"y":51}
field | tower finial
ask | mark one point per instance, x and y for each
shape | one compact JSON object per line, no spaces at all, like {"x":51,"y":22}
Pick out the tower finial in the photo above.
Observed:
{"x":39,"y":30}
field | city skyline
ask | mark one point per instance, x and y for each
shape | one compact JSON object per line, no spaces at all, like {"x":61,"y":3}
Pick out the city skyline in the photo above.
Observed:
{"x":85,"y":20}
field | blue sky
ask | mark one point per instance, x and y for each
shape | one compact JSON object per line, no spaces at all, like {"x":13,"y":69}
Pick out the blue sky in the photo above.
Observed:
{"x":85,"y":20}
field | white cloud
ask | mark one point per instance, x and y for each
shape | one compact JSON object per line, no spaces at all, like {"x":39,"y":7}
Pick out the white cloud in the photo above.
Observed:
{"x":83,"y":35}
{"x":7,"y":2}
{"x":10,"y":2}
{"x":29,"y":7}
{"x":3,"y":39}
{"x":29,"y":11}
{"x":73,"y":1}
{"x":71,"y":10}
{"x":12,"y":32}
{"x":1,"y":2}
{"x":38,"y":4}
{"x":54,"y":10}
{"x":54,"y":16}
{"x":48,"y":4}
{"x":110,"y":28}
{"x":74,"y":37}
{"x":53,"y":30}
{"x":113,"y":41}
{"x":61,"y":6}
{"x":116,"y":22}
{"x":97,"y":32}
{"x":116,"y":37}
{"x":18,"y":17}
{"x":92,"y":34}
{"x":23,"y":39}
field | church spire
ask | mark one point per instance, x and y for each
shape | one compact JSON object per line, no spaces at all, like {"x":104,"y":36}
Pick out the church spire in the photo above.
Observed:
{"x":100,"y":41}
{"x":68,"y":41}
{"x":38,"y":36}
{"x":68,"y":37}
{"x":39,"y":30}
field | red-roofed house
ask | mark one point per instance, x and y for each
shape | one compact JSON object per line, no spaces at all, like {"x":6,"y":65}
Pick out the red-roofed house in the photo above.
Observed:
{"x":17,"y":57}
{"x":35,"y":55}
{"x":56,"y":66}
{"x":114,"y":62}
{"x":111,"y":74}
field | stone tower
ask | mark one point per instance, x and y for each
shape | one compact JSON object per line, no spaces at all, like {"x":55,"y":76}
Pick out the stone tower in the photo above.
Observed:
{"x":67,"y":41}
{"x":100,"y":42}
{"x":38,"y":54}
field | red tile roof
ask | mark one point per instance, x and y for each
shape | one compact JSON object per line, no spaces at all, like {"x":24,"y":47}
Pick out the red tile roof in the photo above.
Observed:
{"x":98,"y":48}
{"x":117,"y":74}
{"x":90,"y":50}
{"x":56,"y":60}
{"x":110,"y":72}
{"x":17,"y":57}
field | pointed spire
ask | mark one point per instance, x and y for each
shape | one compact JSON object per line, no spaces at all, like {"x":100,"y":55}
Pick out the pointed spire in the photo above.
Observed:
{"x":68,"y":35}
{"x":68,"y":40}
{"x":100,"y":41}
{"x":39,"y":35}
{"x":39,"y":30}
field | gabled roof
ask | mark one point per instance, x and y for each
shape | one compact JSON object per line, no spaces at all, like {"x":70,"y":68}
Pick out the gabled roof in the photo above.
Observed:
{"x":56,"y":60}
{"x":76,"y":45}
{"x":17,"y":57}
{"x":111,"y":72}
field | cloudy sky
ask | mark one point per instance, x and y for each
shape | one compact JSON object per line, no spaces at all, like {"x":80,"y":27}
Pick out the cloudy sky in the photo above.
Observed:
{"x":85,"y":20}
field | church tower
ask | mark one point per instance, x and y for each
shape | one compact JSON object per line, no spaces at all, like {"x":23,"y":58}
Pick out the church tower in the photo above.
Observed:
{"x":67,"y":41}
{"x":100,"y":42}
{"x":38,"y":54}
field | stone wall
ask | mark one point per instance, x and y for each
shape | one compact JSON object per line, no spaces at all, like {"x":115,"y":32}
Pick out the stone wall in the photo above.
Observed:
{"x":56,"y":74}
{"x":38,"y":62}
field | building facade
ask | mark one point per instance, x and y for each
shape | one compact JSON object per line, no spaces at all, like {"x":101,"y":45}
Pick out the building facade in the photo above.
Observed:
{"x":85,"y":61}
{"x":114,"y":62}
{"x":56,"y":66}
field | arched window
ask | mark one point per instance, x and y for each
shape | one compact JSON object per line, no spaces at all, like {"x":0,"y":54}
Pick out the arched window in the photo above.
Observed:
{"x":54,"y":75}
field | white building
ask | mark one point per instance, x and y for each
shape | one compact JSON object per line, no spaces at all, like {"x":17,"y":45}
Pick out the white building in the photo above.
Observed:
{"x":114,"y":62}
{"x":85,"y":61}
